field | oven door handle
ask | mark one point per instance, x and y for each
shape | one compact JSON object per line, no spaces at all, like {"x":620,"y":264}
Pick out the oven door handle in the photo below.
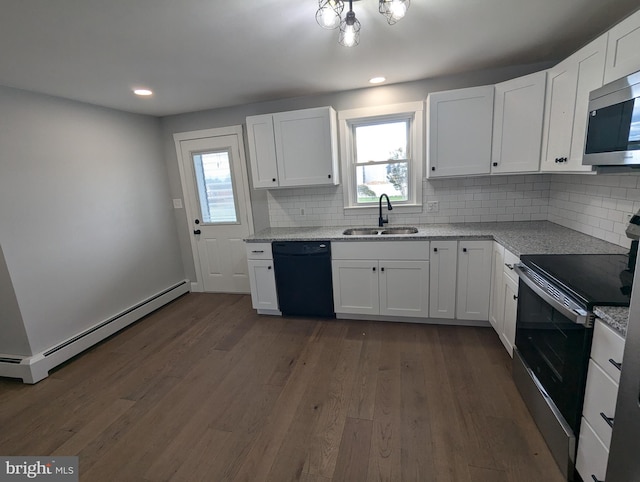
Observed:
{"x":580,"y":318}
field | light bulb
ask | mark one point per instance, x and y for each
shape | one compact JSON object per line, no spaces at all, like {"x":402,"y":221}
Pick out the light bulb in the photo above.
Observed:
{"x":349,"y":39}
{"x":329,"y":18}
{"x":398,"y":9}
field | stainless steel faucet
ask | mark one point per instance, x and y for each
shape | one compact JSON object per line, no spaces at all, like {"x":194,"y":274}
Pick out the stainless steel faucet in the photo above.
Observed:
{"x":381,"y":220}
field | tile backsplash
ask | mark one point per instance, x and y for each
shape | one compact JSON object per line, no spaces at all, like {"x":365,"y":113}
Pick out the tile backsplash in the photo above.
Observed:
{"x":593,"y":204}
{"x":473,"y":199}
{"x":596,"y":205}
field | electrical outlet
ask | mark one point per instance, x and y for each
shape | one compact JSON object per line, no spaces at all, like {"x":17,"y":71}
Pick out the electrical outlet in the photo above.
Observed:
{"x":432,"y":207}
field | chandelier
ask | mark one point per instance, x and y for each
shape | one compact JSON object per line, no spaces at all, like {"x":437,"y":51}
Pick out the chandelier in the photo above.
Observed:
{"x":329,"y":16}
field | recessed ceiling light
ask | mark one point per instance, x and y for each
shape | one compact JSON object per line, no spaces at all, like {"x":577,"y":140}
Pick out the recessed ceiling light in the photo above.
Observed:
{"x":142,"y":92}
{"x":377,"y":80}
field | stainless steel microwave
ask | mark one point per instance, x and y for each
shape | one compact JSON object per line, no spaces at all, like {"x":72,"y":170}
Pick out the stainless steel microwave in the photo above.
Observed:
{"x":613,"y":129}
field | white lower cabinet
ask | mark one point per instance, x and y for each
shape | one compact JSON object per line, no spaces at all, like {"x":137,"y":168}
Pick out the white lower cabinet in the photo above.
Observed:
{"x":264,"y":297}
{"x":504,"y":295}
{"x":444,"y":269}
{"x":474,"y":280}
{"x":460,"y":280}
{"x":381,"y":278}
{"x":598,"y":411}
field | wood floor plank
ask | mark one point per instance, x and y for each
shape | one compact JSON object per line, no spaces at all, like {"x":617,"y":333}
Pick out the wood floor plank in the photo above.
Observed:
{"x":363,"y":395}
{"x":206,"y":389}
{"x":385,"y":454}
{"x":355,"y":446}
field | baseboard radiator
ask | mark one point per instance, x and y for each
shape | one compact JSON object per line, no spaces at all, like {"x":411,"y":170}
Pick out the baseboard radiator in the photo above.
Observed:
{"x":34,"y":368}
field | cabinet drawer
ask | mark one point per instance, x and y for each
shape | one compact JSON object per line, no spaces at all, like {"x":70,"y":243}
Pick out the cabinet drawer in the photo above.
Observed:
{"x":607,"y":345}
{"x":392,"y":250}
{"x":592,"y":454}
{"x":600,"y":398}
{"x":510,"y":260}
{"x":259,"y":251}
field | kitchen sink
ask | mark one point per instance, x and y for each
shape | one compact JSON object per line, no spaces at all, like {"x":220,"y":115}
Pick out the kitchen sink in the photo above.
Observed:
{"x":400,"y":231}
{"x":361,"y":232}
{"x":376,"y":232}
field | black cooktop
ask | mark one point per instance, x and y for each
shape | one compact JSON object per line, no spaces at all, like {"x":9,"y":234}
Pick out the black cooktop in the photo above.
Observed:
{"x":592,"y":279}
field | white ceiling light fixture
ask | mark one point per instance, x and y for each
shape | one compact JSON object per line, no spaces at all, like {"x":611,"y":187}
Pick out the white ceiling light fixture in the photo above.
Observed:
{"x":329,"y":16}
{"x":377,"y":80}
{"x":142,"y":92}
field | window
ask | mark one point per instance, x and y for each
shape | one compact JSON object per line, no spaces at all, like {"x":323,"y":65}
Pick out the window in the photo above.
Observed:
{"x":215,"y":187}
{"x":381,"y":153}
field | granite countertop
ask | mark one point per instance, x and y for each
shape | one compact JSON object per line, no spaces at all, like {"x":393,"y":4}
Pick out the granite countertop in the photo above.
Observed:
{"x":617,"y":317}
{"x":522,"y":237}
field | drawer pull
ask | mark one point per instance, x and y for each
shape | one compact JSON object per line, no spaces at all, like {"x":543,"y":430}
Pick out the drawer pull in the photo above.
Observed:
{"x":615,"y":363}
{"x":258,"y":251}
{"x":510,"y":266}
{"x":596,"y":479}
{"x":609,"y":420}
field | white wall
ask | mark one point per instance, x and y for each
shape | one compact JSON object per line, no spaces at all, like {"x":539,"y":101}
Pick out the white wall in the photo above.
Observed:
{"x":86,"y":221}
{"x":13,"y":339}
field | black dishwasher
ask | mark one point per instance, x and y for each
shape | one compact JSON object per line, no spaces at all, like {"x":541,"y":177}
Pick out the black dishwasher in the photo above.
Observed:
{"x":303,"y":277}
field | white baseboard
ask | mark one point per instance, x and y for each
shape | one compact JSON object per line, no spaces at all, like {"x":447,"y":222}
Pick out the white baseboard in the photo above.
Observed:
{"x":34,"y":368}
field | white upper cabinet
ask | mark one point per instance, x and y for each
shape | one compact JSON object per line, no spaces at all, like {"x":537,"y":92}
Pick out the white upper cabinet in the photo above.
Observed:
{"x":459,"y":132}
{"x":517,"y":124}
{"x":623,"y":54}
{"x":290,"y":149}
{"x":566,"y":107}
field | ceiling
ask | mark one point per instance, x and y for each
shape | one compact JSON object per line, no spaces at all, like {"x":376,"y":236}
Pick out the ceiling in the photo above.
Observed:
{"x":197,"y":54}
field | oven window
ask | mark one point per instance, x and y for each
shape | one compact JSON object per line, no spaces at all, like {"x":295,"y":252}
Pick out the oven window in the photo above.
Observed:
{"x":556,"y":349}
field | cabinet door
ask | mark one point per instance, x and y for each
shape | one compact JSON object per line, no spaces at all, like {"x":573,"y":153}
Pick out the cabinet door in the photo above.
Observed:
{"x":517,"y":124}
{"x":262,"y":151}
{"x":306,"y":147}
{"x":355,"y":286}
{"x":474,"y":280}
{"x":442,"y":289}
{"x":404,"y":288}
{"x":623,"y":55}
{"x":510,"y":303}
{"x":263,"y":284}
{"x":496,"y":307}
{"x":590,"y":60}
{"x":566,"y":107}
{"x":459,"y":132}
{"x":559,"y":107}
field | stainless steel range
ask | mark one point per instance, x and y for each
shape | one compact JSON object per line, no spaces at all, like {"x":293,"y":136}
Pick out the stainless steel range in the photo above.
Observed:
{"x":554,"y":328}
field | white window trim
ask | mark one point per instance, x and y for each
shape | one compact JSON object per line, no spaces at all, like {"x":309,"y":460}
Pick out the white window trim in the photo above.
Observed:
{"x":345,"y":117}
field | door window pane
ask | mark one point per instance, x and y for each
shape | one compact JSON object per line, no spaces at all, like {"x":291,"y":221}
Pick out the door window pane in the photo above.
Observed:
{"x":215,"y":187}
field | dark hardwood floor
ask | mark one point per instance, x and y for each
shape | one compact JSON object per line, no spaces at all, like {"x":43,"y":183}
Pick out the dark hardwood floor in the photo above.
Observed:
{"x":206,"y":390}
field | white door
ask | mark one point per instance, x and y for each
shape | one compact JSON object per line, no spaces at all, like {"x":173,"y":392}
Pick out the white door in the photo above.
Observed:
{"x":214,"y":179}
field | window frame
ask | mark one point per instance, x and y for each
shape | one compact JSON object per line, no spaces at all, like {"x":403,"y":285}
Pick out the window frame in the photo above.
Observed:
{"x":349,"y":119}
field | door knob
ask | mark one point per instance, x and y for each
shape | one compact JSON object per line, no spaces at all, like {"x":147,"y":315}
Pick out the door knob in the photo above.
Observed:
{"x":197,"y":221}
{"x":197,"y":231}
